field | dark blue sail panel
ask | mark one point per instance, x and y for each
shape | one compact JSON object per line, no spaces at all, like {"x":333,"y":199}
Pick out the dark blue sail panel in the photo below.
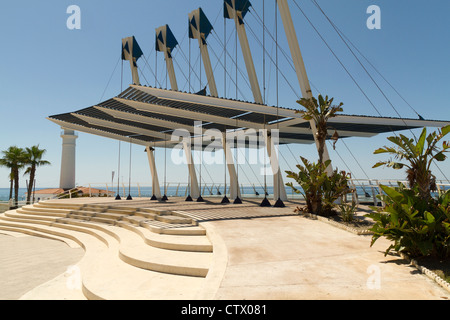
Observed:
{"x":125,"y":48}
{"x":170,"y":43}
{"x":137,"y":52}
{"x":240,"y":5}
{"x":203,"y":26}
{"x":192,"y":24}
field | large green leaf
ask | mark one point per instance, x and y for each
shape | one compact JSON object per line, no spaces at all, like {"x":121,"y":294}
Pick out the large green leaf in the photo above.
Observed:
{"x":429,"y":217}
{"x":445,"y":130}
{"x":440,"y":156}
{"x":397,"y":165}
{"x":379,"y":164}
{"x":392,"y":193}
{"x":384,"y":150}
{"x":421,"y":142}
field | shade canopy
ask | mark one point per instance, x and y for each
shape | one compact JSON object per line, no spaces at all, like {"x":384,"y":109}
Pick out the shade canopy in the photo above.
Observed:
{"x":148,"y":116}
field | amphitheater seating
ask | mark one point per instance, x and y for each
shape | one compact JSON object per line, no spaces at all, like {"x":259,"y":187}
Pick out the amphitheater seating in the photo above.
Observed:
{"x":130,"y":253}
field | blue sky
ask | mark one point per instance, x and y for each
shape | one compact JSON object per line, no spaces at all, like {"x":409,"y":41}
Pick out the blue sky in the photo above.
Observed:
{"x":47,"y":69}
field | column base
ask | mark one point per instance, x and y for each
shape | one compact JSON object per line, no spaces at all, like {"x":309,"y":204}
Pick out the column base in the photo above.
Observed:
{"x":237,"y":201}
{"x":225,"y":200}
{"x":265,"y":203}
{"x":279,"y":204}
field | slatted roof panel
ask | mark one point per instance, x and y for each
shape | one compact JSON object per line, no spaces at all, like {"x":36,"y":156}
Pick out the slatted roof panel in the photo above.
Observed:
{"x":360,"y":127}
{"x":347,"y":123}
{"x":71,"y":119}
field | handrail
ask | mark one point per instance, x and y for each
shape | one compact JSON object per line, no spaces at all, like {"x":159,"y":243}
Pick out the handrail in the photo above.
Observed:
{"x":365,"y":190}
{"x":69,"y":192}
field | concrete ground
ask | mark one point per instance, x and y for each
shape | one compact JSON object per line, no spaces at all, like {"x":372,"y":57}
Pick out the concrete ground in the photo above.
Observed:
{"x":296,"y":258}
{"x":27,"y":262}
{"x":260,"y":253}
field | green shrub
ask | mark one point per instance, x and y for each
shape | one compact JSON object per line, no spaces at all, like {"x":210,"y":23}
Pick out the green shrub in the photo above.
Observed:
{"x":417,"y":226}
{"x":347,"y":212}
{"x":319,"y":190}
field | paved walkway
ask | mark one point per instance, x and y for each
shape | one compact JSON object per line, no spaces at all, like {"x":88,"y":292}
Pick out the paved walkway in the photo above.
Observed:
{"x":27,"y":262}
{"x":297,"y":258}
{"x":260,"y":253}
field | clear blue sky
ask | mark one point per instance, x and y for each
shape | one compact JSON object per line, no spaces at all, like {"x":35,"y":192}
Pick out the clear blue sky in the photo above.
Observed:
{"x":47,"y":69}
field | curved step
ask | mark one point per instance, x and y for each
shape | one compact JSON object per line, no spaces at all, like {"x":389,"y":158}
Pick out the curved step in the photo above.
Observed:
{"x":171,"y":242}
{"x":164,"y":228}
{"x":70,"y":243}
{"x":112,"y":212}
{"x":163,"y":241}
{"x":48,"y":227}
{"x":105,"y":276}
{"x":136,"y":249}
{"x":194,"y":264}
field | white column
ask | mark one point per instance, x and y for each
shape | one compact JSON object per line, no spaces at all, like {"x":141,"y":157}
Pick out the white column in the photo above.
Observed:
{"x":208,"y":69}
{"x":299,"y":64}
{"x":128,"y":55}
{"x":155,"y":181}
{"x":235,"y":192}
{"x":134,"y":72}
{"x":204,"y":52}
{"x":246,"y":52}
{"x":195,"y":191}
{"x":171,"y":71}
{"x":67,"y":176}
{"x":279,"y":190}
{"x":161,"y":46}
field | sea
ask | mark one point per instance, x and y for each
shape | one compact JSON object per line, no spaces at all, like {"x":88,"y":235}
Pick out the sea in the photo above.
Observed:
{"x":172,"y":190}
{"x":364,"y":193}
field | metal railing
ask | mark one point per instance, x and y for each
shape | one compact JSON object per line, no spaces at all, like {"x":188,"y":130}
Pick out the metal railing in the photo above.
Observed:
{"x":364,"y":190}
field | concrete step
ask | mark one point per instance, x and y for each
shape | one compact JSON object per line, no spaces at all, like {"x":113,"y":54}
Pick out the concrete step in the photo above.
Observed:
{"x":171,"y":242}
{"x":34,"y":208}
{"x":184,"y":263}
{"x":105,"y":276}
{"x":15,"y":229}
{"x":170,"y":229}
{"x":114,"y":211}
{"x":60,"y":205}
{"x":133,"y":250}
{"x":53,"y":228}
{"x":144,"y":219}
{"x":163,"y":241}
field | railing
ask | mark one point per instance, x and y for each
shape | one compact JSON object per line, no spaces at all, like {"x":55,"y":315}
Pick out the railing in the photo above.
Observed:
{"x":368,"y":189}
{"x":365,"y":190}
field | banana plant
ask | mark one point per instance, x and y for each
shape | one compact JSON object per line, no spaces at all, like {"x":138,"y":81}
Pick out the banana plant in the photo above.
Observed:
{"x":417,"y":156}
{"x":415,"y":225}
{"x":319,"y":189}
{"x":320,"y":111}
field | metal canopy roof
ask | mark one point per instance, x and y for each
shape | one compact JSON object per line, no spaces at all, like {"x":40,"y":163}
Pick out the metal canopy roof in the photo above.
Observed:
{"x":148,"y":116}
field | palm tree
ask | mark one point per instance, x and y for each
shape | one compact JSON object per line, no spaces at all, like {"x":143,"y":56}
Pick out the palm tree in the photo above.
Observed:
{"x":5,"y":163}
{"x":320,"y":111}
{"x":418,"y":156}
{"x":33,"y":161}
{"x":14,"y":158}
